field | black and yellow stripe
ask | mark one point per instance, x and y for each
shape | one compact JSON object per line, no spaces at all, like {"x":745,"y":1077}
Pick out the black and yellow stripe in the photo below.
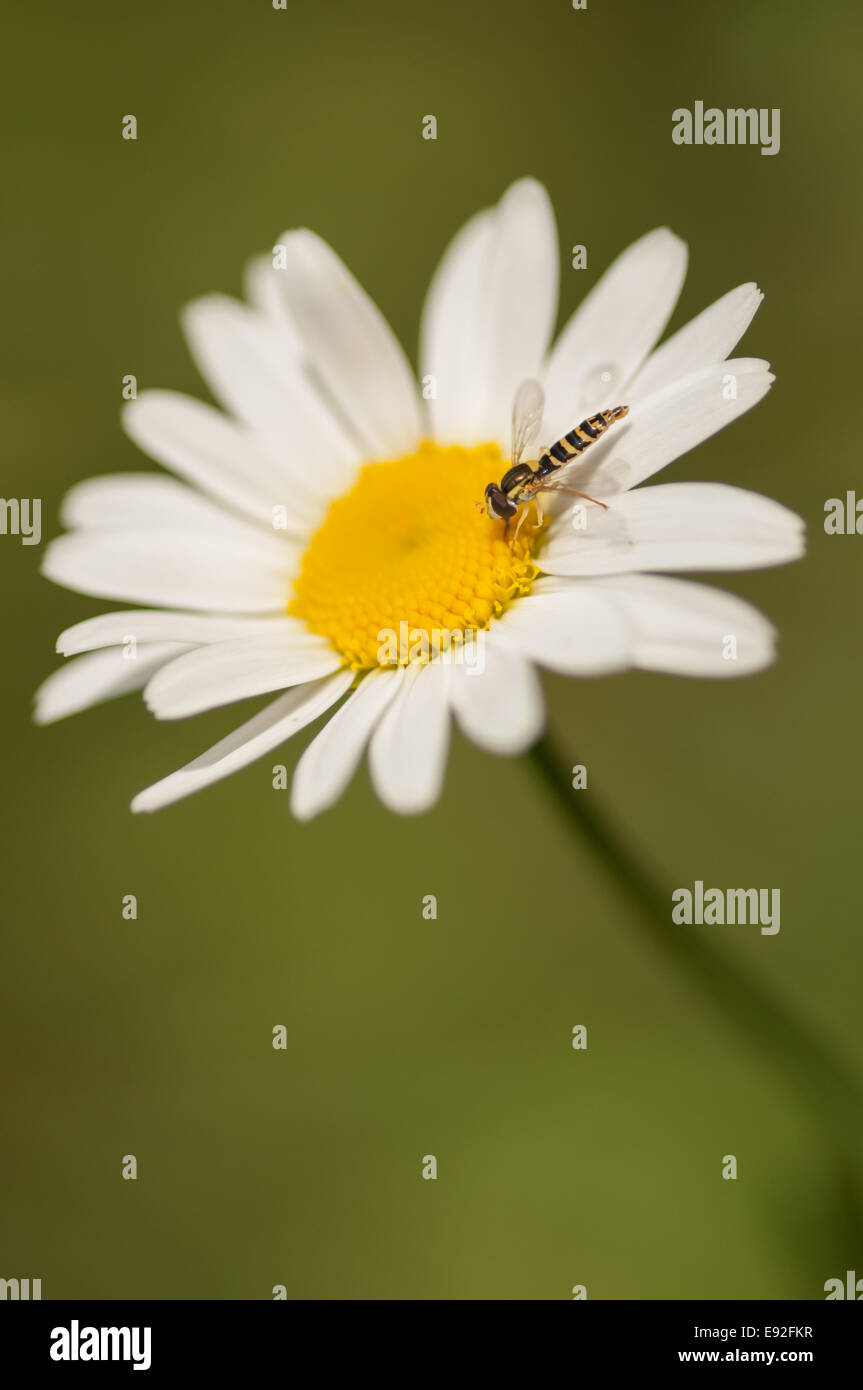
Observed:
{"x":577,"y":440}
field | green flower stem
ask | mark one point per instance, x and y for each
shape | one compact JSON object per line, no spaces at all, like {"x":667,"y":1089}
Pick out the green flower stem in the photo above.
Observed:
{"x":801,"y":1057}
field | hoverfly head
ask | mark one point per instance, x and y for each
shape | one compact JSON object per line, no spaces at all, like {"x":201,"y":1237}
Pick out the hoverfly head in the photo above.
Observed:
{"x":498,"y":505}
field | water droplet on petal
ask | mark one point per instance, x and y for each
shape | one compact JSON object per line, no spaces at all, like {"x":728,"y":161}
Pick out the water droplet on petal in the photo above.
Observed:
{"x":599,"y":385}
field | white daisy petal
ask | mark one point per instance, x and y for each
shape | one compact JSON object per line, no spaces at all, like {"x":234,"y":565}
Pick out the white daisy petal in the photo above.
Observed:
{"x":331,"y":759}
{"x":407,"y":756}
{"x":264,"y":284}
{"x":161,"y":625}
{"x":612,"y":331}
{"x":259,"y":735}
{"x":214,"y":453}
{"x":706,"y":339}
{"x":569,"y":627}
{"x":264,"y":289}
{"x":690,"y":629}
{"x":242,"y":358}
{"x":180,"y":569}
{"x":248,"y":365}
{"x":666,"y":425}
{"x":675,"y":526}
{"x":139,"y":500}
{"x":349,"y":347}
{"x":521,"y":301}
{"x":498,"y":703}
{"x":226,"y":671}
{"x":450,"y":332}
{"x":99,"y":676}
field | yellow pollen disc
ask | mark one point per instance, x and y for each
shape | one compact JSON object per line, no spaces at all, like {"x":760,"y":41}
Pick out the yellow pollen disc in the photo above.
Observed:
{"x":407,"y":545}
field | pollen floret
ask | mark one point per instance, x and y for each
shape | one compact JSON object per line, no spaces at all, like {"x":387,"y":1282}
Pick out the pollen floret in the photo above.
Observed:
{"x":408,"y":545}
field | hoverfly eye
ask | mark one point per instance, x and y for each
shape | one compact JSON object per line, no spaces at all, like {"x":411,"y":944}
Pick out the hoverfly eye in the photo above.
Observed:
{"x":499,"y":506}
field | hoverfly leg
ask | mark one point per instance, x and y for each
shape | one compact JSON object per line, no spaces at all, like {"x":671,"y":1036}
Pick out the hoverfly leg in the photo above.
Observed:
{"x":561,"y":487}
{"x":519,"y":526}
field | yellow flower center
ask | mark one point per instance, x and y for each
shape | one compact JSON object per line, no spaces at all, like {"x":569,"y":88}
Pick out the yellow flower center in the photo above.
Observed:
{"x":407,"y":546}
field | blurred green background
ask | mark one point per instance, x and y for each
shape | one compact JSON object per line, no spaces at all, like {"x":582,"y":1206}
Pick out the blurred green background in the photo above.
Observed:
{"x":408,"y":1037}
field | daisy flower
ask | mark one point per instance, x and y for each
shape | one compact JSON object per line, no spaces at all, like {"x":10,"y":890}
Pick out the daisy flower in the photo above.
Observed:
{"x":335,"y":501}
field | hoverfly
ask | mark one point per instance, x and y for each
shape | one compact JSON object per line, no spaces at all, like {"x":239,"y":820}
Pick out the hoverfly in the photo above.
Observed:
{"x":522,"y":482}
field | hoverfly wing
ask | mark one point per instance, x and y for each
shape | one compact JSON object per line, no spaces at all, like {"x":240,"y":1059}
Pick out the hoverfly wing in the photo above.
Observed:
{"x":526,"y":417}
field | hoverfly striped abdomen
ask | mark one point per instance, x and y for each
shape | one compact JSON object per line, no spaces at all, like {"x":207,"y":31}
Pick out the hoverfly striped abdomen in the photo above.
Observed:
{"x":579,"y":439}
